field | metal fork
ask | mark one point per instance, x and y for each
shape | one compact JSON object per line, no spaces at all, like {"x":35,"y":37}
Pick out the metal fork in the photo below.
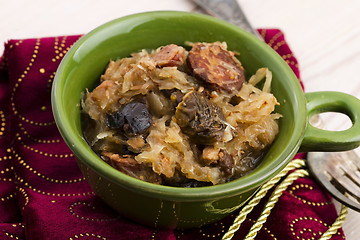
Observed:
{"x":338,"y":172}
{"x":228,"y":10}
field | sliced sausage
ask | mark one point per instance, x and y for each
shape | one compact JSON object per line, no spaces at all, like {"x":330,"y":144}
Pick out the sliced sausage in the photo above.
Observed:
{"x":124,"y":163}
{"x":128,"y":165}
{"x":214,"y":64}
{"x":169,"y":56}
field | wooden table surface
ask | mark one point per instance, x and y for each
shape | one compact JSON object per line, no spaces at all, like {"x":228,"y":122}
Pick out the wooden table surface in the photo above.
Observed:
{"x":324,"y":36}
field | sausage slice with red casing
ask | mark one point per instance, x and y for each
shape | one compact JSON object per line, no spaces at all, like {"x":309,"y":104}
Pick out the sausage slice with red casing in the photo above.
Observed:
{"x":170,"y":56}
{"x":214,"y":64}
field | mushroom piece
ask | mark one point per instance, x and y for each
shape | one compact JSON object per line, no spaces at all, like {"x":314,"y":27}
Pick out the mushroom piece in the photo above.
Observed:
{"x":199,"y":118}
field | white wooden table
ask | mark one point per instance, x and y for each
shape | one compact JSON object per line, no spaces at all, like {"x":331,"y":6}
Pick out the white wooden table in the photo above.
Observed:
{"x":324,"y":36}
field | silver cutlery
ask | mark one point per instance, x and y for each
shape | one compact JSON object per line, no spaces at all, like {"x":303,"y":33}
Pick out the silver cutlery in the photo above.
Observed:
{"x":338,"y":172}
{"x":228,"y":10}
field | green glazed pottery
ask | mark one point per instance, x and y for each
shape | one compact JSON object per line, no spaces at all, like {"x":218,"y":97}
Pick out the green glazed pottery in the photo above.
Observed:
{"x":172,"y":207}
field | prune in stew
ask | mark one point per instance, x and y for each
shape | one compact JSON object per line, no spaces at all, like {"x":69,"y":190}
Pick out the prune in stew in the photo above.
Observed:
{"x":135,"y":115}
{"x":115,"y":120}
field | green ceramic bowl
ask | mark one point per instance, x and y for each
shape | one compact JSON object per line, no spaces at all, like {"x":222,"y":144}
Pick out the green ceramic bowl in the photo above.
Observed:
{"x":172,"y":207}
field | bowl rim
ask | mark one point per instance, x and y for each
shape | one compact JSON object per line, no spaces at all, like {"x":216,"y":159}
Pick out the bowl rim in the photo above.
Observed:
{"x":241,"y":185}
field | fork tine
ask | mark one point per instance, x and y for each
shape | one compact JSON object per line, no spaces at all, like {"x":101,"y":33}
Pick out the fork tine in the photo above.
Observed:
{"x":357,"y":174}
{"x":345,"y":184}
{"x":353,"y":175}
{"x":348,"y":163}
{"x":321,"y":165}
{"x":338,"y":172}
{"x":348,"y":169}
{"x":352,"y":158}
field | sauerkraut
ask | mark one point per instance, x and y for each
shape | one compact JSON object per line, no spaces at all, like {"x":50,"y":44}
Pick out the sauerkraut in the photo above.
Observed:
{"x":158,"y":118}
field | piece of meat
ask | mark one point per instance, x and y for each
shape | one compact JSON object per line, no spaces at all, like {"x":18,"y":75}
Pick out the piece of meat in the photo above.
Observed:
{"x":214,"y":64}
{"x":128,"y":165}
{"x":170,"y":56}
{"x":200,"y":118}
{"x":226,"y":162}
{"x":136,"y":143}
{"x":124,"y":163}
{"x":102,"y":97}
{"x":210,"y":155}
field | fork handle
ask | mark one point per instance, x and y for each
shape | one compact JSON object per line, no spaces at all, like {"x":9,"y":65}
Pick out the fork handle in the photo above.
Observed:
{"x":316,"y":139}
{"x":228,"y":10}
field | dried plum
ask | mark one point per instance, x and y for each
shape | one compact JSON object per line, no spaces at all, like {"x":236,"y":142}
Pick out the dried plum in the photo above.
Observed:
{"x":115,"y":120}
{"x":135,"y":115}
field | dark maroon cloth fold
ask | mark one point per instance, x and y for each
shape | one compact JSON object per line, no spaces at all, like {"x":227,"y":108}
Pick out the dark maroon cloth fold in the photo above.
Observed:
{"x":43,"y":194}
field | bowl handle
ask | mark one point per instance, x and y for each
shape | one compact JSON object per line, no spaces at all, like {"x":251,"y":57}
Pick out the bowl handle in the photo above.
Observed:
{"x":316,"y":139}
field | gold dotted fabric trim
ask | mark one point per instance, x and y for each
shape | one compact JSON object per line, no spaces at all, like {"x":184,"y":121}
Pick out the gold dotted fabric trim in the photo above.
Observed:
{"x":22,"y":191}
{"x":84,"y":235}
{"x":3,"y":199}
{"x":279,"y":44}
{"x":7,"y":170}
{"x":60,"y":49}
{"x":6,"y":179}
{"x":11,"y":236}
{"x":66,"y":155}
{"x":265,"y":229}
{"x":27,"y":185}
{"x":17,"y":84}
{"x":4,"y":158}
{"x":50,"y":81}
{"x":21,"y":127}
{"x":89,"y":205}
{"x":274,"y":38}
{"x":52,"y":180}
{"x":298,"y":186}
{"x":204,"y":234}
{"x":2,"y":123}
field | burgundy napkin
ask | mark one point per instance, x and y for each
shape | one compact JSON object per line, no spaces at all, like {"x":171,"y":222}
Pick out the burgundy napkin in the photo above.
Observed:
{"x":43,"y":195}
